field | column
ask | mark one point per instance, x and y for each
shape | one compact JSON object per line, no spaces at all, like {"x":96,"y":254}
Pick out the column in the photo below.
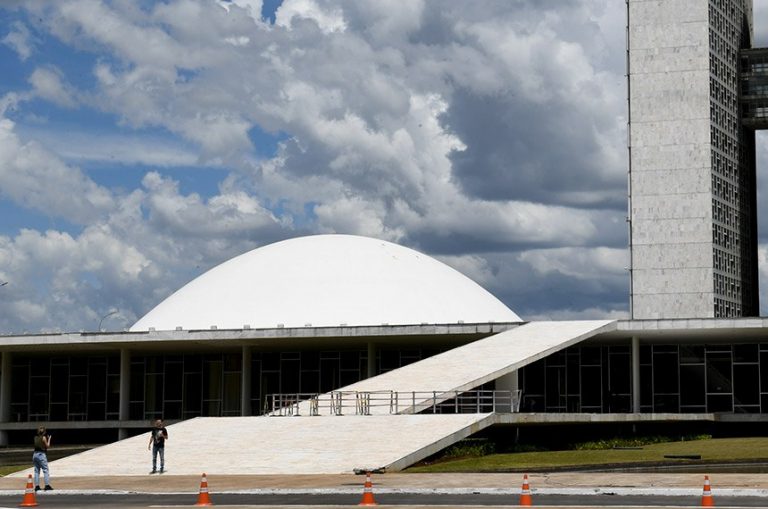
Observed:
{"x":125,"y":391}
{"x":245,"y":389}
{"x":5,"y":395}
{"x":371,"y":359}
{"x":509,"y":382}
{"x":636,"y":375}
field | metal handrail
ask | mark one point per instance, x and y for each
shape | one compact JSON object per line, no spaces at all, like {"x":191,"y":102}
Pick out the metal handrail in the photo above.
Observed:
{"x":395,"y":402}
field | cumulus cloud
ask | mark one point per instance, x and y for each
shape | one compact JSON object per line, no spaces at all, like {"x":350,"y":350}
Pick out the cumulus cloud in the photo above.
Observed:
{"x":491,"y":137}
{"x":227,"y":214}
{"x":48,"y":83}
{"x":537,"y":112}
{"x":57,"y":281}
{"x":585,"y":264}
{"x":20,"y":40}
{"x":583,"y":282}
{"x":252,"y":7}
{"x":128,"y":251}
{"x":329,"y":18}
{"x":82,"y":146}
{"x":33,"y":177}
{"x":587,"y":283}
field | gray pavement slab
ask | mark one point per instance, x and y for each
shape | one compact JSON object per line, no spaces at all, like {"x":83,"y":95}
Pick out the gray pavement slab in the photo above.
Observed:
{"x":552,"y":483}
{"x":277,"y":445}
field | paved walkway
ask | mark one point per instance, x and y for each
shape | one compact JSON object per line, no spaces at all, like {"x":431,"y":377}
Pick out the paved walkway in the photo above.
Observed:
{"x":279,"y":445}
{"x":551,"y":483}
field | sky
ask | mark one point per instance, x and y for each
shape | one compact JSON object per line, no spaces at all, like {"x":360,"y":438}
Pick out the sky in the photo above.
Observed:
{"x":143,"y":143}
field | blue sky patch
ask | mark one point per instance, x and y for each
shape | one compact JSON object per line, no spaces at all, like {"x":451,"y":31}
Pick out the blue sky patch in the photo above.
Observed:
{"x":266,"y":144}
{"x":269,"y":9}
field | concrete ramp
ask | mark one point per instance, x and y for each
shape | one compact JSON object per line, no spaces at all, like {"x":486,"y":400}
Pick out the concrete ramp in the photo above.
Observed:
{"x":279,"y":445}
{"x":326,"y":444}
{"x":470,"y":365}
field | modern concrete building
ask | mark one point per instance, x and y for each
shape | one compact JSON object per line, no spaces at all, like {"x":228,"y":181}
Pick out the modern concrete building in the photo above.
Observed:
{"x":694,"y":104}
{"x":306,"y":315}
{"x":424,"y":357}
{"x":338,"y":328}
{"x":382,"y":355}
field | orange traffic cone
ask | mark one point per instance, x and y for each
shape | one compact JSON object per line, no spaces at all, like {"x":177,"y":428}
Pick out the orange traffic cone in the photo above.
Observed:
{"x":525,"y":495}
{"x":706,"y":497}
{"x":203,"y":498}
{"x":368,"y":491}
{"x":29,"y":494}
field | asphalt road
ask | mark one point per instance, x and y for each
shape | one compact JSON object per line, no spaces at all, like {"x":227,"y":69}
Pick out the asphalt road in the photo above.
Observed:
{"x":326,"y":501}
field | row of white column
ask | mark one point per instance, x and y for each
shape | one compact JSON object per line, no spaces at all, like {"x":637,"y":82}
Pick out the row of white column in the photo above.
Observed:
{"x":635,"y":375}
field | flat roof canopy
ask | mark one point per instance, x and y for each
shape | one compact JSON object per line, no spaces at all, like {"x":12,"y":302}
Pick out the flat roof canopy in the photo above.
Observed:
{"x":714,"y":330}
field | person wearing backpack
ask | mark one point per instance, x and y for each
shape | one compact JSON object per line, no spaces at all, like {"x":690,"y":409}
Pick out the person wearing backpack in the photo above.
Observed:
{"x":157,"y":439}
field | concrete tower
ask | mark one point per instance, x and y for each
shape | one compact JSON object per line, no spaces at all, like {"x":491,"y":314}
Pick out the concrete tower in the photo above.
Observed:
{"x":693,"y":234}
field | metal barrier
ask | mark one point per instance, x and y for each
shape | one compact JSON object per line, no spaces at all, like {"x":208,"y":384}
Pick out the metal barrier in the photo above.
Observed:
{"x":394,"y":402}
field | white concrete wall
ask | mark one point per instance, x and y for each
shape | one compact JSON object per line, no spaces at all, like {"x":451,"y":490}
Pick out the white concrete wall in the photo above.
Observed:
{"x":671,"y":206}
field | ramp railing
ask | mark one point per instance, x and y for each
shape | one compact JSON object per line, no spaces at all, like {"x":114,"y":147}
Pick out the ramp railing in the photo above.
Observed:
{"x":393,"y":402}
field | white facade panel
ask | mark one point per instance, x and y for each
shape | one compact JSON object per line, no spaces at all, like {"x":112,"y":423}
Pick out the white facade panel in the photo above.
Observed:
{"x":681,"y":181}
{"x":674,"y":206}
{"x":660,"y":12}
{"x":672,"y":256}
{"x":671,"y":231}
{"x":688,"y":280}
{"x":683,"y":157}
{"x":671,"y":132}
{"x":669,"y":35}
{"x":671,"y":141}
{"x":685,"y":95}
{"x":678,"y":304}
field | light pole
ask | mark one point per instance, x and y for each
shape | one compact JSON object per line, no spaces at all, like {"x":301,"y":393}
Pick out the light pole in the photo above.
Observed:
{"x":114,"y":311}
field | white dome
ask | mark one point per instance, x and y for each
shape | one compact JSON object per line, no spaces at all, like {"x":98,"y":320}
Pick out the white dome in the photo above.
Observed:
{"x":327,"y":280}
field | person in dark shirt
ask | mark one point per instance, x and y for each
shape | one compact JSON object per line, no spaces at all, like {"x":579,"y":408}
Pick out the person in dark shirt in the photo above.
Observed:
{"x":157,"y":439}
{"x":40,"y":458}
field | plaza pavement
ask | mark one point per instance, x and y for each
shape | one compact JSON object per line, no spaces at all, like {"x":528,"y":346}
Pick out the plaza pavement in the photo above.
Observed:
{"x":730,"y":484}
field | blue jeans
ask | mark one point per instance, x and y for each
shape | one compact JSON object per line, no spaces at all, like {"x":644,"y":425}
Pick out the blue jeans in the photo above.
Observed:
{"x":40,"y":462}
{"x":155,"y":450}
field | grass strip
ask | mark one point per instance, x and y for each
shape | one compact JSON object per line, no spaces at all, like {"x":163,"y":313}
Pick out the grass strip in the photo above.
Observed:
{"x":10,"y":469}
{"x":712,"y":450}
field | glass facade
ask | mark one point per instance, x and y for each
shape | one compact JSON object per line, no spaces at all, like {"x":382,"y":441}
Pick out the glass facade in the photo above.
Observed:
{"x":65,"y":388}
{"x":579,"y":379}
{"x":181,"y":386}
{"x":674,"y":378}
{"x":185,"y":386}
{"x":734,"y":234}
{"x":320,"y":371}
{"x":754,"y":88}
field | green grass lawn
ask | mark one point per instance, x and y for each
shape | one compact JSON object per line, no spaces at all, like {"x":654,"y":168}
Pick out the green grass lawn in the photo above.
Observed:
{"x":9,"y":469}
{"x":711,"y":450}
